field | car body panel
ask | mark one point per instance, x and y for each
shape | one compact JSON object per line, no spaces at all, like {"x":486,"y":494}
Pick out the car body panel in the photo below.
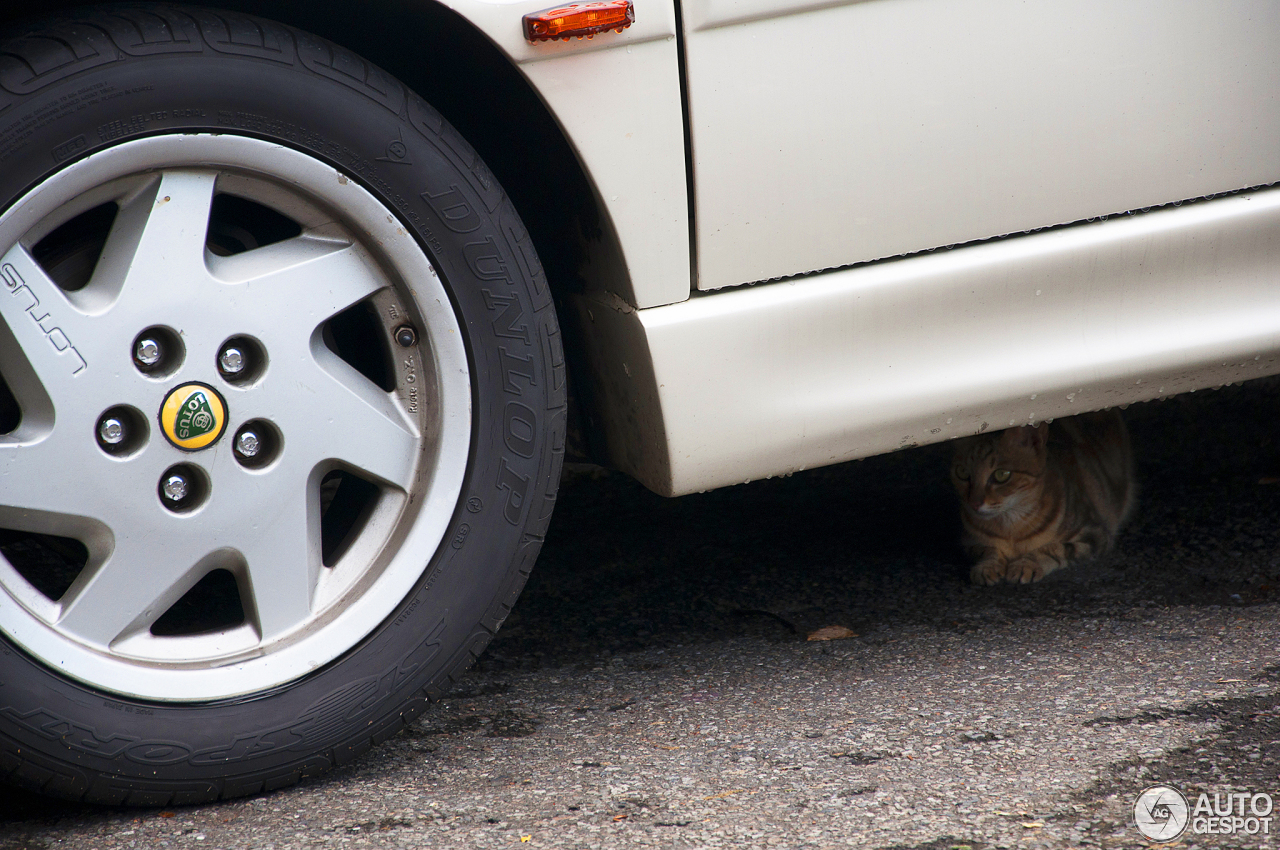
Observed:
{"x":617,"y":98}
{"x":1162,"y":101}
{"x":769,"y":379}
{"x":621,"y":111}
{"x":824,"y":137}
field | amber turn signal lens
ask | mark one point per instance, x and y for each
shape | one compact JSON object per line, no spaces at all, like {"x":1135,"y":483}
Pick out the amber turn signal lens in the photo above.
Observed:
{"x":579,"y":20}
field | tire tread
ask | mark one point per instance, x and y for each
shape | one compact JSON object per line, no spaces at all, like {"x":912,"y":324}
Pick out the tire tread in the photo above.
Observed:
{"x":66,"y":45}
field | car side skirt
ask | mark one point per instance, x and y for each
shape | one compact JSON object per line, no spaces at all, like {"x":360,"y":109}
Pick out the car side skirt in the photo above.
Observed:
{"x":774,"y":378}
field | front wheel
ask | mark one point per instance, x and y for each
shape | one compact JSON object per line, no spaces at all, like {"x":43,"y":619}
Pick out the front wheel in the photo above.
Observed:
{"x":281,"y":411}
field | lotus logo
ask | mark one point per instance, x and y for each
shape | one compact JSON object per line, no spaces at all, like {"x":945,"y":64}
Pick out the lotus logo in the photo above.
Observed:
{"x":195,"y":419}
{"x":1161,"y":813}
{"x":193,"y":416}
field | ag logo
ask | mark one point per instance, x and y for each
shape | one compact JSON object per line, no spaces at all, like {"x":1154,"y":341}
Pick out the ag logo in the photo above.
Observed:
{"x":1161,"y":813}
{"x":193,"y":416}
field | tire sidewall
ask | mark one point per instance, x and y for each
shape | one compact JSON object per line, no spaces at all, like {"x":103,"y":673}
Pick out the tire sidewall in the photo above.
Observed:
{"x":304,"y":93}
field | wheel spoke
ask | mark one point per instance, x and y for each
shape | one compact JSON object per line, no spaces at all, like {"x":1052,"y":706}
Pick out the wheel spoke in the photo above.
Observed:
{"x":47,"y":478}
{"x":157,"y":242}
{"x":302,"y":281}
{"x":54,"y":338}
{"x":133,"y":586}
{"x":357,"y":423}
{"x":284,"y":564}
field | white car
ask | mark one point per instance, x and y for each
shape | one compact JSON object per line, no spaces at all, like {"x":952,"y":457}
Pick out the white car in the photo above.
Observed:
{"x":287,"y":367}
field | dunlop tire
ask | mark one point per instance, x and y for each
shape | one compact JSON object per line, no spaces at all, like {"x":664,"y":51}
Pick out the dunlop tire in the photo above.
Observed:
{"x":77,"y":84}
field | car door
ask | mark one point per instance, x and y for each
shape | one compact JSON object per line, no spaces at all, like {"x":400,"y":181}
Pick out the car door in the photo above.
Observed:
{"x":828,"y":134}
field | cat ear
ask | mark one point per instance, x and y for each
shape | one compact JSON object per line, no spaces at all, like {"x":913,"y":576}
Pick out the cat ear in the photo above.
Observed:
{"x":1041,"y":433}
{"x":1027,"y":436}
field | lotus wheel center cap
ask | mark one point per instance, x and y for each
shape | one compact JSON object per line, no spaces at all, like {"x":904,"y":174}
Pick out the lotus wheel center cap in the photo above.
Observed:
{"x":193,"y":416}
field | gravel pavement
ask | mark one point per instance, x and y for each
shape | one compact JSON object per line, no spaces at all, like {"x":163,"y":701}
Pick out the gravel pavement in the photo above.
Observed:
{"x":654,"y":686}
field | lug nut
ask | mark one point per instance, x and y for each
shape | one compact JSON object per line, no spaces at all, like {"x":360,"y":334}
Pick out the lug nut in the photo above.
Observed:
{"x":231,"y":361}
{"x":111,"y":431}
{"x":175,"y":488}
{"x":147,"y":352}
{"x":406,"y":336}
{"x":248,"y":444}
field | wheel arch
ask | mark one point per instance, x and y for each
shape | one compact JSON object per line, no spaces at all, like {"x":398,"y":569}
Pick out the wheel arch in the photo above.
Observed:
{"x":450,"y":62}
{"x":447,"y":60}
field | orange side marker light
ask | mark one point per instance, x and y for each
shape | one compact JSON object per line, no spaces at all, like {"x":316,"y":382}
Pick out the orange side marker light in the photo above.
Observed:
{"x":579,"y":20}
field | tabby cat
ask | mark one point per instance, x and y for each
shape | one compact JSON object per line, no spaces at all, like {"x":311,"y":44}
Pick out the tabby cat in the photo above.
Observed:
{"x":1040,"y":497}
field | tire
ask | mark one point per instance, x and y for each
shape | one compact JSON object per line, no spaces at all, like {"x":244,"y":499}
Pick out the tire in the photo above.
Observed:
{"x":282,"y":413}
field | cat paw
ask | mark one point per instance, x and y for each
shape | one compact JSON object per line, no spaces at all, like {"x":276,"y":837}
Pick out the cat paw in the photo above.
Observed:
{"x":990,"y":571}
{"x":1027,"y":570}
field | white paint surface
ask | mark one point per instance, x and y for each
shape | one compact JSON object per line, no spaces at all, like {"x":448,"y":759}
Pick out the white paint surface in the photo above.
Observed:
{"x":617,"y":98}
{"x":769,"y":379}
{"x":862,"y":131}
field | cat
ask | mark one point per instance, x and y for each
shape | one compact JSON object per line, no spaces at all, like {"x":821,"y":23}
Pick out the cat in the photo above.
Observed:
{"x":1037,"y":498}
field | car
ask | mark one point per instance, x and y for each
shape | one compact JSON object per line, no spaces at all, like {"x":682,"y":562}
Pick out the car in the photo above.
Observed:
{"x":304,"y":305}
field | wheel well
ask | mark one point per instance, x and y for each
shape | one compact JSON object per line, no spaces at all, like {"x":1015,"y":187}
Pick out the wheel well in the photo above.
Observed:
{"x":461,"y":73}
{"x":452,"y":65}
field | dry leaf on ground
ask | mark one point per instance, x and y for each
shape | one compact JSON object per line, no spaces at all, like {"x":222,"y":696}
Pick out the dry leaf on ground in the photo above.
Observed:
{"x":831,"y":633}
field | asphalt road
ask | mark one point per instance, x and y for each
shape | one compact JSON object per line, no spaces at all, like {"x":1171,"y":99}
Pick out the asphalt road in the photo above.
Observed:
{"x":655,"y":686}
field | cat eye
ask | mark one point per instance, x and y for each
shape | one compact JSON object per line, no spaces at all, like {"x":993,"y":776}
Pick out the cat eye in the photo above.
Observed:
{"x":1001,"y":475}
{"x":962,"y":473}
